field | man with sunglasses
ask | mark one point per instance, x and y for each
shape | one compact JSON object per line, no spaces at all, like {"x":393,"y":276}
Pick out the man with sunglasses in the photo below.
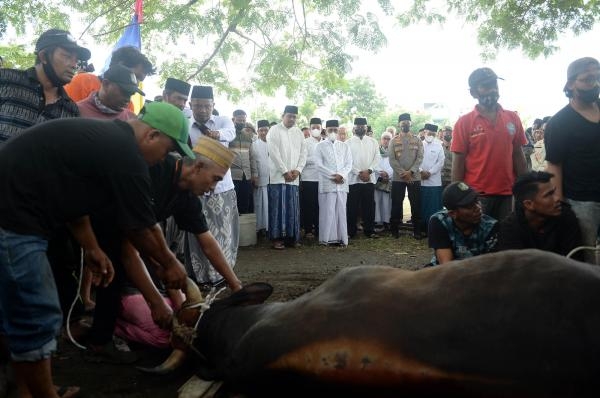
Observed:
{"x":572,"y":139}
{"x":461,"y":230}
{"x":36,"y":94}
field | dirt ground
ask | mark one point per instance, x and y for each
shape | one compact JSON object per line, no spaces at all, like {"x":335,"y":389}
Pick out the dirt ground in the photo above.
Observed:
{"x":291,"y":272}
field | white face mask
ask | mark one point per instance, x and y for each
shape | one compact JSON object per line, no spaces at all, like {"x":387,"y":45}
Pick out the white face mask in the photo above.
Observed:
{"x":332,"y":136}
{"x":429,"y":138}
{"x":315,"y":133}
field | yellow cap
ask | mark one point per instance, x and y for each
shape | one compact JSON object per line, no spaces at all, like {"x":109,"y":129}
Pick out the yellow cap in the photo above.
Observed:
{"x":215,"y":151}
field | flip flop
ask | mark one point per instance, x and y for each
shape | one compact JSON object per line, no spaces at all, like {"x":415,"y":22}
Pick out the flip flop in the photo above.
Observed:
{"x":67,"y":391}
{"x":278,"y":246}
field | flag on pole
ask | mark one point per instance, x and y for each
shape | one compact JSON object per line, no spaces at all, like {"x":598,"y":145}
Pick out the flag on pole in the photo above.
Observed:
{"x":132,"y":36}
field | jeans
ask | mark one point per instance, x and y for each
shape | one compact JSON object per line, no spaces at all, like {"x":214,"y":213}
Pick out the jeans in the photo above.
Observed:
{"x":30,"y":314}
{"x":588,"y":215}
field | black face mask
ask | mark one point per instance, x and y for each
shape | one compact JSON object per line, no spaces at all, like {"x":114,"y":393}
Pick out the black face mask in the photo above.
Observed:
{"x":52,"y":76}
{"x":239,"y":126}
{"x":489,"y":101}
{"x":360,"y":131}
{"x":589,"y":96}
{"x":447,"y":138}
{"x":405,"y":128}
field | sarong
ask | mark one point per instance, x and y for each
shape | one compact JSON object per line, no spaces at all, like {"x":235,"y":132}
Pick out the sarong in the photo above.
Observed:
{"x":284,"y":212}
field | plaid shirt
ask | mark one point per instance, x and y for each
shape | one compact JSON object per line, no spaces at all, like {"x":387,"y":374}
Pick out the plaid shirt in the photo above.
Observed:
{"x":22,"y":103}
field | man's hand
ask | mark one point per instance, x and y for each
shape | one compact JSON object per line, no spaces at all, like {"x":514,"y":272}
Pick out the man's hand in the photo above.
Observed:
{"x":407,"y":177}
{"x":254,"y":181}
{"x":288,"y":177}
{"x":214,"y":134}
{"x":162,"y":314}
{"x":425,"y":175}
{"x":338,"y":179}
{"x":295,"y":174}
{"x":100,"y":265}
{"x":174,"y":276}
{"x":364,"y":175}
{"x":384,"y":176}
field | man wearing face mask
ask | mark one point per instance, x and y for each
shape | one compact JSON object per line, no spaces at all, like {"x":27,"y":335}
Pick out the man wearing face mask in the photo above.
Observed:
{"x":362,"y":178}
{"x":309,"y":185}
{"x":445,"y":137}
{"x":406,"y":155}
{"x":35,"y":95}
{"x":333,"y":161}
{"x":431,"y":174}
{"x":572,"y":139}
{"x":487,"y":146}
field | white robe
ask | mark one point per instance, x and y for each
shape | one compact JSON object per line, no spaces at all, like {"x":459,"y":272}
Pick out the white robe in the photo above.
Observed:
{"x":333,"y":158}
{"x":259,"y":167}
{"x":383,"y":200}
{"x":287,"y":152}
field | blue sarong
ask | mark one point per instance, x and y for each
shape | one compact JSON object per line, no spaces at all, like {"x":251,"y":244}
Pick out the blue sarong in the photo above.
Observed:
{"x":284,"y":212}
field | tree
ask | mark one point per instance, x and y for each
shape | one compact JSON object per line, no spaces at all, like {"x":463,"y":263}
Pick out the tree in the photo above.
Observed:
{"x":533,"y":25}
{"x":359,"y":99}
{"x":302,"y":46}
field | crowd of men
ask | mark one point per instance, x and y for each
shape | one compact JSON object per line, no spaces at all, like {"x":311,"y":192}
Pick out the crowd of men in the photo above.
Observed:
{"x":83,"y":175}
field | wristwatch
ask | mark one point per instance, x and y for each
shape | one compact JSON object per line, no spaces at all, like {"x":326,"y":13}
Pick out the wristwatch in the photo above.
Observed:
{"x":370,"y":171}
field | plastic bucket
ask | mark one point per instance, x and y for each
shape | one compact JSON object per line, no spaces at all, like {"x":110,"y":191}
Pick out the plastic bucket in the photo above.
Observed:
{"x":247,"y":229}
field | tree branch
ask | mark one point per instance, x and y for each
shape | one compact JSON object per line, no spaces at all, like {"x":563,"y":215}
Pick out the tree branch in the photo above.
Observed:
{"x":101,"y":14}
{"x":242,"y":35}
{"x":116,"y":29}
{"x":232,"y":26}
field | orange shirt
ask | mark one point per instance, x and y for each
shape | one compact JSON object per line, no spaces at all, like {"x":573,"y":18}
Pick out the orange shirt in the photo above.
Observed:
{"x":488,"y":149}
{"x":83,"y":84}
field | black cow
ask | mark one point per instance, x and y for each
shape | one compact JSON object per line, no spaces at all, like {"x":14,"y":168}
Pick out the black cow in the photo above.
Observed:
{"x":517,"y":323}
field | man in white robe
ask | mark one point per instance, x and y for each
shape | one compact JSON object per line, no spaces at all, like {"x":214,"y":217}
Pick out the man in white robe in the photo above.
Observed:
{"x":287,"y":157}
{"x":383,"y":186}
{"x":334,"y":161}
{"x":259,"y":169}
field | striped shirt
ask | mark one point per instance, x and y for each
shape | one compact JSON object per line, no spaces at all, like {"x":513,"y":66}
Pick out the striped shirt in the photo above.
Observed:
{"x":22,"y":103}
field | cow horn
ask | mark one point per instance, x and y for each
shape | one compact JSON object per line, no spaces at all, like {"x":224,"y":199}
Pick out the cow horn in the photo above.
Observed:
{"x":192,"y":293}
{"x":169,"y":365}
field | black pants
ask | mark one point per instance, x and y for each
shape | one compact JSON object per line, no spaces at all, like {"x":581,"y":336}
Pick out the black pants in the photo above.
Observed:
{"x":414,"y":196}
{"x":309,"y":205}
{"x":363,"y":196}
{"x":244,"y":195}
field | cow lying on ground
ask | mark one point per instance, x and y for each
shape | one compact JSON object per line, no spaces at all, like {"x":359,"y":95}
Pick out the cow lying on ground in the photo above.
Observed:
{"x":517,"y":323}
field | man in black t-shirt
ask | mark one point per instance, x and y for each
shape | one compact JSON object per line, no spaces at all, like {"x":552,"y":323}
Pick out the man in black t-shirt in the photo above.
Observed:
{"x":572,"y":139}
{"x":58,"y":173}
{"x":540,"y":220}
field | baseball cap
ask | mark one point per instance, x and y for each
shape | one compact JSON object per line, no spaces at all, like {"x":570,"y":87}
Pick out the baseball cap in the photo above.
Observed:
{"x":61,"y":38}
{"x":170,"y":121}
{"x":579,"y":66}
{"x":458,"y":194}
{"x":123,"y":77}
{"x":482,"y":75}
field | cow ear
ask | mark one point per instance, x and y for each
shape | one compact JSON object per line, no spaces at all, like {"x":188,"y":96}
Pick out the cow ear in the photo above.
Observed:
{"x":255,"y":293}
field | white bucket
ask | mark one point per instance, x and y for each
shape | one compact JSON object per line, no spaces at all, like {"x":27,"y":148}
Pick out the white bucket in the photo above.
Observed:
{"x":247,"y":229}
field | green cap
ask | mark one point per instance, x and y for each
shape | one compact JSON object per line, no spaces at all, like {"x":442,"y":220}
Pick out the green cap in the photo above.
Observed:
{"x":170,"y":121}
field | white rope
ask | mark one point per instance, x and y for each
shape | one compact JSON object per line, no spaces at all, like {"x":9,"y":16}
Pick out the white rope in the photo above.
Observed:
{"x":75,"y":302}
{"x":210,"y":297}
{"x":580,"y":248}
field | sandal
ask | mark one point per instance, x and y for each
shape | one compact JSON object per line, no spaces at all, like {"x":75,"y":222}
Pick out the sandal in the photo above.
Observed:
{"x":278,"y":245}
{"x":67,"y":391}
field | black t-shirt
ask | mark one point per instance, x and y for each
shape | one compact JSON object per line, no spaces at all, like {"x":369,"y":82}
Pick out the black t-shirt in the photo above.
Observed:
{"x":169,"y":200}
{"x":574,"y":141}
{"x":60,"y":170}
{"x":561,"y":234}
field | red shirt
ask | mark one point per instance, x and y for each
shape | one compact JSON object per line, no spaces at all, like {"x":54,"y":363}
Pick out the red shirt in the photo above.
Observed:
{"x":488,"y":149}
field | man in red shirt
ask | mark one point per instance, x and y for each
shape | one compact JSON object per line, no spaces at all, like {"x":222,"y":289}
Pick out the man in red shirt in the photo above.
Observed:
{"x":487,"y":146}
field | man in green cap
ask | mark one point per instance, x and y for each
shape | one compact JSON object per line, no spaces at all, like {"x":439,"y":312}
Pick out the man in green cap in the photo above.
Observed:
{"x":61,"y":172}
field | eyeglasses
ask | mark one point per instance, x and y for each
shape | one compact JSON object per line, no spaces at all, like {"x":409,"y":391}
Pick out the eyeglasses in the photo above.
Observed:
{"x":590,"y":80}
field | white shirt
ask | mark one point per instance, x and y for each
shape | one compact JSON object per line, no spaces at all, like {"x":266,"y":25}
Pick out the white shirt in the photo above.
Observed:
{"x":226,"y":134}
{"x":384,"y":165}
{"x":332,"y":158}
{"x":287,"y":152}
{"x":259,"y":165}
{"x":433,"y":162}
{"x":365,"y":155}
{"x":310,"y":172}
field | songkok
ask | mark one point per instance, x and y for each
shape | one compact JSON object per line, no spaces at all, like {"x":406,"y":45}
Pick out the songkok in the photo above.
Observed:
{"x":262,"y":123}
{"x":404,"y":116}
{"x":213,"y":150}
{"x":203,"y":92}
{"x":431,"y":127}
{"x":360,"y":121}
{"x":178,"y":85}
{"x":291,"y":109}
{"x":315,"y":120}
{"x":332,"y":123}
